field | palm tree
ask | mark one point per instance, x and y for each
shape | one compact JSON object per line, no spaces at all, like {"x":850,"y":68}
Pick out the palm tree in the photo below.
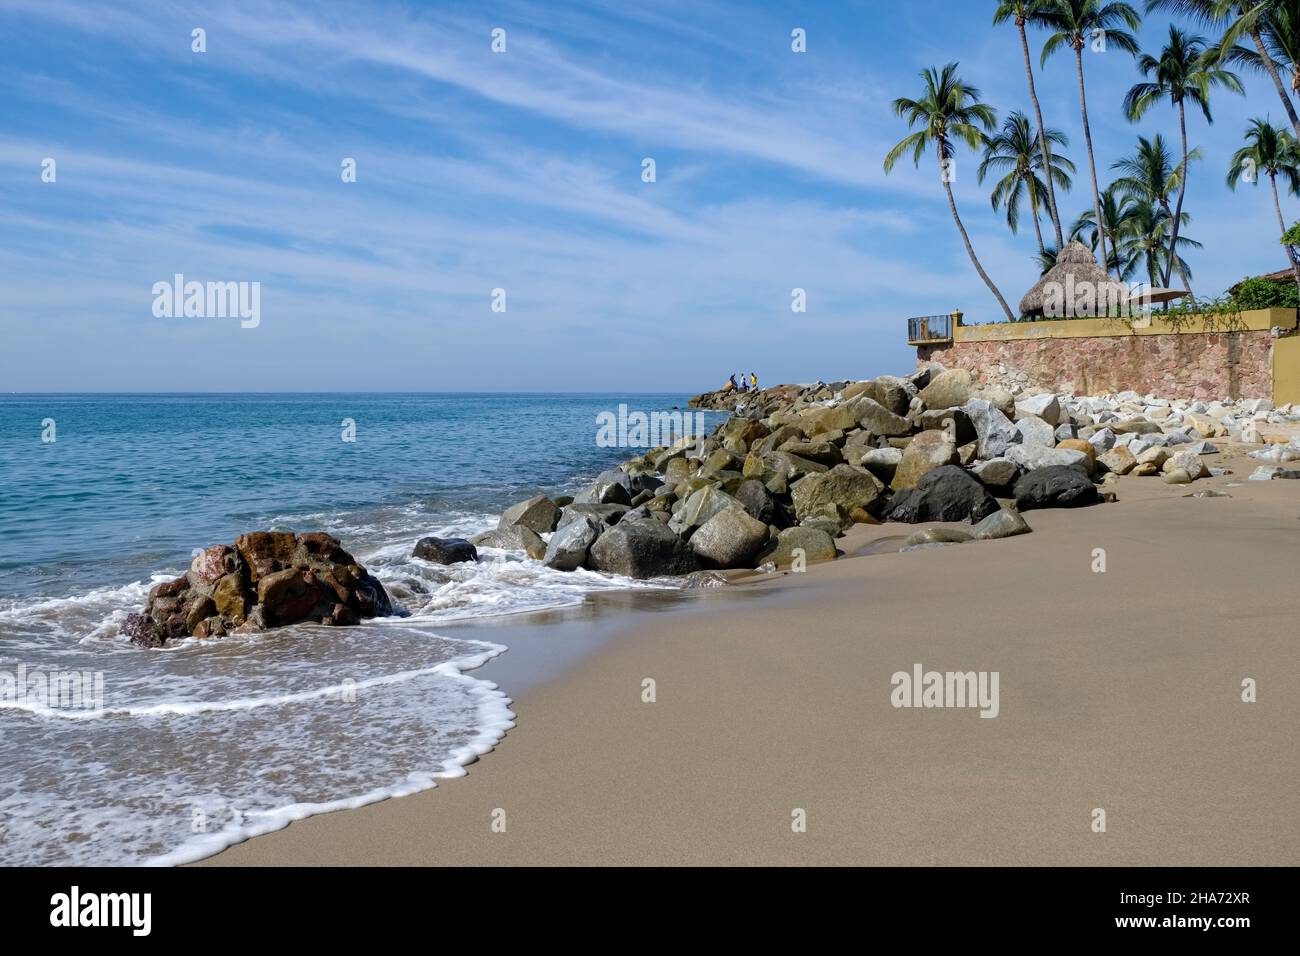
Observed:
{"x":1075,"y":23}
{"x":1151,"y":176}
{"x":949,"y":111}
{"x":1274,"y":152}
{"x":1146,"y":241}
{"x":1116,"y":213}
{"x":1240,"y":19}
{"x":1280,"y":31}
{"x":1023,"y":12}
{"x":1016,"y":151}
{"x":1178,"y":75}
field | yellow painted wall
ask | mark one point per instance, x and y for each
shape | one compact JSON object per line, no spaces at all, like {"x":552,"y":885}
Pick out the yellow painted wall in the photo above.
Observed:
{"x":1286,"y":370}
{"x":1259,"y":320}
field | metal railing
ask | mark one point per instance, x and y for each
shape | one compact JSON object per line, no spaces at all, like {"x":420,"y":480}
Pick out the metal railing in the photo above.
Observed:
{"x":929,"y":328}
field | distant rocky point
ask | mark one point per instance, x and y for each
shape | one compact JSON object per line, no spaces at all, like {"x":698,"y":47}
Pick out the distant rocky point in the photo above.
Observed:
{"x":265,"y":579}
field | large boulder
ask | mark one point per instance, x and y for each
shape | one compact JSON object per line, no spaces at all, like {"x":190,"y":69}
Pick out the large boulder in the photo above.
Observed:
{"x":699,"y":507}
{"x":730,"y":539}
{"x":1188,"y":461}
{"x":1001,"y":524}
{"x":232,"y":598}
{"x":883,"y":462}
{"x":806,"y":545}
{"x":843,"y":485}
{"x":998,"y":397}
{"x":954,"y":421}
{"x":445,"y":550}
{"x":261,"y":551}
{"x":879,"y":420}
{"x":1044,"y":407}
{"x":1103,"y":440}
{"x":678,"y":470}
{"x":926,"y":452}
{"x":792,"y":466}
{"x":894,"y":393}
{"x":537,"y":514}
{"x":641,"y":549}
{"x":948,"y":389}
{"x":944,"y":494}
{"x":854,"y":389}
{"x":609,"y":488}
{"x":1119,"y":460}
{"x":996,"y":432}
{"x":778,"y":437}
{"x":1033,"y":457}
{"x":1035,"y":431}
{"x":266,"y":579}
{"x":1056,"y":486}
{"x":996,"y":473}
{"x":568,"y":547}
{"x":759,"y":503}
{"x":514,"y":538}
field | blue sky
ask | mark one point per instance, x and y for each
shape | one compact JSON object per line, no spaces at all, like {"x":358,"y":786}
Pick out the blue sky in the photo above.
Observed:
{"x":522,"y":171}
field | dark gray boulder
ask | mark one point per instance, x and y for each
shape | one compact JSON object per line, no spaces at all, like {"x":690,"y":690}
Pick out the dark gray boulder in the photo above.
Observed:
{"x":445,"y":550}
{"x":641,"y":549}
{"x":568,"y":547}
{"x":948,"y":493}
{"x":1057,"y":486}
{"x":759,"y":503}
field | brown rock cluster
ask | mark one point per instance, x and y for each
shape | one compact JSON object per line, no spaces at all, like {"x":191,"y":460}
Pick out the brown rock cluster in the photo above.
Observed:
{"x":265,"y":579}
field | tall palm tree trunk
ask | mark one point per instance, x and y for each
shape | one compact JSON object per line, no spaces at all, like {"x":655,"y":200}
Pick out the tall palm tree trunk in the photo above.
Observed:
{"x":1178,"y":212}
{"x":1092,"y":163}
{"x":1038,"y":229}
{"x":1281,"y":224}
{"x":1277,"y":80}
{"x":1042,"y":139}
{"x":1173,"y":257}
{"x":970,"y":250}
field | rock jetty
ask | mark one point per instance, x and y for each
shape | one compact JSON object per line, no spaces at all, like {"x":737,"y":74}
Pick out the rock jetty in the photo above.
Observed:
{"x":795,"y":466}
{"x":265,"y":579}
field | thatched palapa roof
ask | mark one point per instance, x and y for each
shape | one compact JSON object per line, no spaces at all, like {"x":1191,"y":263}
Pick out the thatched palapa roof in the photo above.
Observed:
{"x":1282,"y":275}
{"x":1071,"y":284}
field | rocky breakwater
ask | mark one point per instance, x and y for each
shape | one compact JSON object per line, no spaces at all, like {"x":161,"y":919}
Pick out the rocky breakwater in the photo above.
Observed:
{"x":265,"y":579}
{"x":796,"y":466}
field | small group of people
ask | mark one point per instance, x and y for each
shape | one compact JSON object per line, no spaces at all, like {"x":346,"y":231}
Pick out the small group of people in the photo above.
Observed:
{"x":739,"y":383}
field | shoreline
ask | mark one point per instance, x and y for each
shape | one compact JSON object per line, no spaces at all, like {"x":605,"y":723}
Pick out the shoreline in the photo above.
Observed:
{"x":1121,"y":685}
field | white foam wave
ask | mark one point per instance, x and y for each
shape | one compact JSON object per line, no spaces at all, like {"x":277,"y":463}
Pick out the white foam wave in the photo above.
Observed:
{"x":494,"y":719}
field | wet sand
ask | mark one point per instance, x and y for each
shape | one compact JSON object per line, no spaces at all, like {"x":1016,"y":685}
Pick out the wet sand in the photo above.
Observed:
{"x":1119,"y":691}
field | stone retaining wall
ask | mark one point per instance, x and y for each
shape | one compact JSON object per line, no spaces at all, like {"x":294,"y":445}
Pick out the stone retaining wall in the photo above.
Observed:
{"x":1207,"y":357}
{"x":1205,"y":365}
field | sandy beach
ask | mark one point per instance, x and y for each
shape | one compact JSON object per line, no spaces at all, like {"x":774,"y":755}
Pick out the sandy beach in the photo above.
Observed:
{"x":1119,"y":690}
